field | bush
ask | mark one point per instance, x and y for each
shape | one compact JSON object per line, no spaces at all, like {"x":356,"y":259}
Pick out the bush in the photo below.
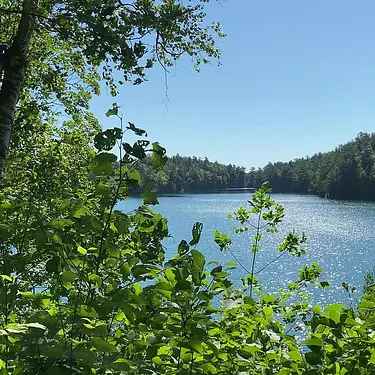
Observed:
{"x":85,"y":288}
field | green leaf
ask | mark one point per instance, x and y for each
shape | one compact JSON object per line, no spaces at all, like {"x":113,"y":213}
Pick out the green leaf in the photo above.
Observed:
{"x":103,"y":346}
{"x":208,"y":368}
{"x":196,"y":233}
{"x":101,"y":329}
{"x":313,"y":358}
{"x":222,"y":240}
{"x":336,"y":307}
{"x":78,"y":211}
{"x":129,"y":312}
{"x":52,"y":264}
{"x":95,"y":279}
{"x":182,"y":285}
{"x":18,"y":370}
{"x":252,"y":348}
{"x":127,"y":148}
{"x":87,"y":312}
{"x":60,"y":223}
{"x":81,"y":250}
{"x":157,"y":360}
{"x":3,"y":370}
{"x":267,"y":310}
{"x":183,"y":247}
{"x":53,"y":351}
{"x":84,"y":356}
{"x":107,"y":140}
{"x":295,"y":356}
{"x":193,"y":345}
{"x":125,"y":270}
{"x":158,"y":158}
{"x":6,"y":278}
{"x":213,"y":347}
{"x":140,"y":270}
{"x":197,"y":267}
{"x":314,"y":342}
{"x":149,"y":197}
{"x":324,"y":284}
{"x":122,"y":364}
{"x":164,"y":286}
{"x":138,"y":149}
{"x":136,"y":176}
{"x":69,"y":276}
{"x":6,"y":205}
{"x":16,"y":328}
{"x":216,"y":270}
{"x":137,"y":131}
{"x":103,"y":163}
{"x":372,"y":358}
{"x":113,"y":252}
{"x":113,"y":111}
{"x":36,"y":326}
{"x":105,"y":157}
{"x":122,"y":222}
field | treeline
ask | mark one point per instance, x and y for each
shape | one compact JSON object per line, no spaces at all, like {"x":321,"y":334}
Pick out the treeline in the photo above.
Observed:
{"x":191,"y":174}
{"x":348,"y":172}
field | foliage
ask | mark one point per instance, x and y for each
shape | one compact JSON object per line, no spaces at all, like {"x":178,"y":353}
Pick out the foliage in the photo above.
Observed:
{"x":191,"y":174}
{"x":75,"y":45}
{"x":85,"y":288}
{"x":369,"y":281}
{"x":348,"y":172}
{"x":55,"y":55}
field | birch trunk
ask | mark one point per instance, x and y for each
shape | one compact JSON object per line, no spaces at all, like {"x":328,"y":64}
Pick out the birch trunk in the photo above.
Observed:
{"x":14,"y":69}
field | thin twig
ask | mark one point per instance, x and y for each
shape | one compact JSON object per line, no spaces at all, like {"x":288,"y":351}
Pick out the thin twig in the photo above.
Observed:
{"x":272,"y":261}
{"x":255,"y":252}
{"x":237,"y":260}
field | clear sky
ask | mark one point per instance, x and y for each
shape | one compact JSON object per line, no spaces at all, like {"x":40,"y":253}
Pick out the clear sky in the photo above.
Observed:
{"x":296,"y":77}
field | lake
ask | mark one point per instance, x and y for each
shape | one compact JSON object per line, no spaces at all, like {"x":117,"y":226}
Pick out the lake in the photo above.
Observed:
{"x":340,"y":237}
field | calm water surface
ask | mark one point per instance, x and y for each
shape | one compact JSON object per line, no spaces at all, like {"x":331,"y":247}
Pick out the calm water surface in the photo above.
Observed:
{"x":341,"y":237}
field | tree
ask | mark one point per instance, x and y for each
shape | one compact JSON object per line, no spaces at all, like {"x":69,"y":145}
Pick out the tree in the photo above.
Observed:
{"x":13,"y":66}
{"x":61,"y":50}
{"x":344,"y":173}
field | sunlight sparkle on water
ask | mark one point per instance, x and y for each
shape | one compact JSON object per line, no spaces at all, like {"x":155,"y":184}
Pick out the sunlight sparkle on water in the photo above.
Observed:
{"x":340,"y":237}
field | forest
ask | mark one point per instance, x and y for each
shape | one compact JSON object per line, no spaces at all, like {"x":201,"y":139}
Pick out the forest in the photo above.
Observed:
{"x":348,"y":172}
{"x":191,"y":174}
{"x":88,"y":289}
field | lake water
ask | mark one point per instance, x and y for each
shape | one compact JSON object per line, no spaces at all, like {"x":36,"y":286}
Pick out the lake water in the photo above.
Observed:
{"x":340,"y":237}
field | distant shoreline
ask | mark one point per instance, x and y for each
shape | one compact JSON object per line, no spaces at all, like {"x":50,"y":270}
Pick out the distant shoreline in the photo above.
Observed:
{"x":244,"y":191}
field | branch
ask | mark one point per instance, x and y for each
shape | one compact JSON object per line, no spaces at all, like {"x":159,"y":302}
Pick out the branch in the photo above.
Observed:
{"x":272,"y":261}
{"x":238,"y":261}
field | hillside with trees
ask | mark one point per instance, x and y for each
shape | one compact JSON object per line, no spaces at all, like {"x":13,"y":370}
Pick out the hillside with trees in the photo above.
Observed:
{"x":191,"y":174}
{"x":348,"y":172}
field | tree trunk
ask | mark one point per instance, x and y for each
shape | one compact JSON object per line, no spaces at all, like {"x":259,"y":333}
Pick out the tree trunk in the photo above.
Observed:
{"x":14,"y":68}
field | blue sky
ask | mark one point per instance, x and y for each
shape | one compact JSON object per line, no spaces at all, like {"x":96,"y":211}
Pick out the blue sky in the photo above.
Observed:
{"x":296,"y":77}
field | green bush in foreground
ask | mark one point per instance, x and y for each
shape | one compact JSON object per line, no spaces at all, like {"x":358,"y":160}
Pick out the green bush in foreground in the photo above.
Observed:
{"x":86,"y":289}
